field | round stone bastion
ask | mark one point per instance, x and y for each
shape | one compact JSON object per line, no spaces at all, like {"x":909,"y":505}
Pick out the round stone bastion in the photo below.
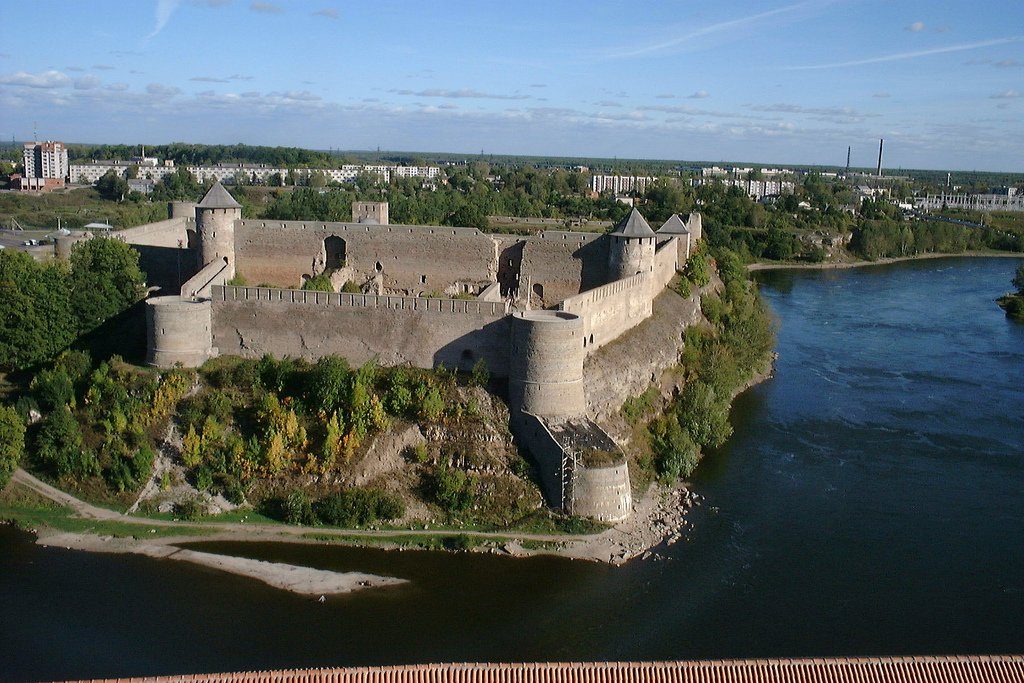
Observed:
{"x":546,"y":363}
{"x":178,"y":330}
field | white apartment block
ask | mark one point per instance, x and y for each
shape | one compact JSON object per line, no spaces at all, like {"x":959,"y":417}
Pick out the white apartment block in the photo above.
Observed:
{"x":755,"y":189}
{"x":1003,"y":201}
{"x":46,"y":160}
{"x":620,"y":184}
{"x":228,"y":173}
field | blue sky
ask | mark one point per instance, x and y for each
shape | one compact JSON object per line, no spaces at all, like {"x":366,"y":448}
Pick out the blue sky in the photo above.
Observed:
{"x":773,"y":81}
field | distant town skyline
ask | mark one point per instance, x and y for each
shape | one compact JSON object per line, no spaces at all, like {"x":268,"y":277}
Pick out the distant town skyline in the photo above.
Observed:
{"x":779,"y":83}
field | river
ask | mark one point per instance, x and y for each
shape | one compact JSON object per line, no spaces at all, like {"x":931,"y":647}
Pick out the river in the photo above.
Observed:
{"x":870,"y":502}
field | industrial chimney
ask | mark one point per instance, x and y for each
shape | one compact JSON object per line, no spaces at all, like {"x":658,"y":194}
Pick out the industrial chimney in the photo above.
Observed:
{"x":878,"y":172}
{"x":848,"y":161}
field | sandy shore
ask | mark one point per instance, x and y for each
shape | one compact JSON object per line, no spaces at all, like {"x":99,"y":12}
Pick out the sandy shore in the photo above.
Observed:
{"x":293,"y":578}
{"x":880,"y":262}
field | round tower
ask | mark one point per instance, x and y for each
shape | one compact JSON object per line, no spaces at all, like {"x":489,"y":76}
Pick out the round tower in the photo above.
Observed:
{"x":178,"y":330}
{"x":631,"y":249}
{"x":546,"y":364}
{"x":181,"y":209}
{"x":215,"y":226}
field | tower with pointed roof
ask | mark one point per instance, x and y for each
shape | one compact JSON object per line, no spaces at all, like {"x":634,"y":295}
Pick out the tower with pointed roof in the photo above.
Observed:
{"x":631,"y":249}
{"x":215,"y":226}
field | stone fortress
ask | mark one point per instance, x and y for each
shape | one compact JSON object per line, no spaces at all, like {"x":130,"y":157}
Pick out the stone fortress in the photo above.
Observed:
{"x":537,"y":309}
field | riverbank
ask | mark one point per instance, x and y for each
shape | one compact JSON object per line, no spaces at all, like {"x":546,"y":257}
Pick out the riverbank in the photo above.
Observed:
{"x":60,"y":519}
{"x":878,"y":262}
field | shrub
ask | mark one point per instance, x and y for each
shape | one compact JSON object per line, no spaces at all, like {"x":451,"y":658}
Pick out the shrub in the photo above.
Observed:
{"x":60,"y":449}
{"x":12,"y":443}
{"x":53,"y":388}
{"x":318,"y":283}
{"x":697,"y":270}
{"x":298,"y":509}
{"x":351,"y":287}
{"x":452,"y":488}
{"x":431,"y":404}
{"x":676,"y":454}
{"x":704,"y":414}
{"x":481,"y":376}
{"x":358,"y":507}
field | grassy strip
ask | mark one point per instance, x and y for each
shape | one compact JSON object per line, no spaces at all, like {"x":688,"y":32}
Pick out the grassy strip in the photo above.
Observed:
{"x":28,"y":510}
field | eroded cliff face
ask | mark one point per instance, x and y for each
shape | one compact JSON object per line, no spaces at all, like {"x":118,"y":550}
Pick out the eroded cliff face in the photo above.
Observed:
{"x":638,"y":358}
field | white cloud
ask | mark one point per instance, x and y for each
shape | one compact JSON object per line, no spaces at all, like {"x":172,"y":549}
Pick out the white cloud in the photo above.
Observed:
{"x":266,"y":8}
{"x":164,"y":10}
{"x":469,"y":93}
{"x":208,"y":79}
{"x":162,"y":91}
{"x":117,"y":87}
{"x":916,"y":27}
{"x":1006,"y":95}
{"x":711,"y":29}
{"x":87,"y":82}
{"x":881,"y":95}
{"x":102,"y":67}
{"x":699,"y":95}
{"x":1009,"y":63}
{"x":906,"y":55}
{"x":46,"y":79}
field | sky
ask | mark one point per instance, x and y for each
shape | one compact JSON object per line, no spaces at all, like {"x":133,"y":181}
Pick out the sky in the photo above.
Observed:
{"x":772,"y":81}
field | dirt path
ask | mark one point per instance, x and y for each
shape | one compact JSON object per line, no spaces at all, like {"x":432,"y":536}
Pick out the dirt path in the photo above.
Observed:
{"x":659,"y":516}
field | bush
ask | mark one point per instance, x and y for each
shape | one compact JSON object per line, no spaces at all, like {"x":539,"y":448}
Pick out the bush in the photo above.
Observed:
{"x":676,"y":454}
{"x":60,"y":449}
{"x":358,"y":507}
{"x":297,"y":508}
{"x":12,"y":443}
{"x":481,"y":376}
{"x":452,"y":489}
{"x":53,"y":388}
{"x":318,"y":283}
{"x":351,"y":287}
{"x":697,"y":270}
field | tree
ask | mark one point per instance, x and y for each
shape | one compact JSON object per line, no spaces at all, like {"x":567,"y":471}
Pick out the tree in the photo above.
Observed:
{"x":36,"y":320}
{"x":1018,"y":280}
{"x":12,"y":443}
{"x":105,"y":280}
{"x":704,"y":415}
{"x":112,"y":186}
{"x":60,"y":449}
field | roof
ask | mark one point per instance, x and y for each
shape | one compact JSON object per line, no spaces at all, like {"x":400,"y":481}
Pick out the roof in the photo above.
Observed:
{"x":673,"y":226}
{"x":218,"y":198}
{"x":959,"y":669}
{"x":633,"y":225}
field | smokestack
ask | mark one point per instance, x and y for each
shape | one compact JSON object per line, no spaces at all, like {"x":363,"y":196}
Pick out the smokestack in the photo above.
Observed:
{"x":848,"y":160}
{"x":879,"y":171}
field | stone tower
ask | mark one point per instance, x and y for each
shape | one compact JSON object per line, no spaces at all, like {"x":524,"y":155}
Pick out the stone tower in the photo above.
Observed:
{"x":215,"y":224}
{"x":632,"y":247}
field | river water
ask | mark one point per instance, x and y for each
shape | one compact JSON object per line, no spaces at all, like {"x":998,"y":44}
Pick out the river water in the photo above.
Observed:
{"x":870,"y":502}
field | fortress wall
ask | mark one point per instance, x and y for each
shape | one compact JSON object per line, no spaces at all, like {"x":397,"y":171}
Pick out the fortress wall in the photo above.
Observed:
{"x":160,"y":234}
{"x":628,"y":366}
{"x":213,"y":273}
{"x":611,"y":309}
{"x":547,"y":453}
{"x":666,"y":262}
{"x":167,"y":252}
{"x":251,"y":321}
{"x":562,"y":264}
{"x":280,"y":252}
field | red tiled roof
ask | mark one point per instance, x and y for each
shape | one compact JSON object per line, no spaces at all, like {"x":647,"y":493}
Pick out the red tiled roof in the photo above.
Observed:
{"x":990,"y":669}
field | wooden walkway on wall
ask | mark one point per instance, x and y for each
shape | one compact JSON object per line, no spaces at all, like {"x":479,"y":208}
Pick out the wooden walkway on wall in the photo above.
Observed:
{"x":997,"y":669}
